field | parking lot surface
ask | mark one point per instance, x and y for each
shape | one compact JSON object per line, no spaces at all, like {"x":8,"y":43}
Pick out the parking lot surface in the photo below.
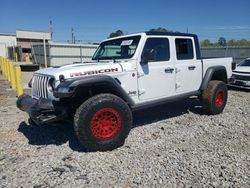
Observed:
{"x":172,"y":145}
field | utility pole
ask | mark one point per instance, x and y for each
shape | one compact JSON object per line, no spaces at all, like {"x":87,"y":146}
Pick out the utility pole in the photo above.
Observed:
{"x":72,"y":35}
{"x":50,"y":29}
{"x":45,"y":54}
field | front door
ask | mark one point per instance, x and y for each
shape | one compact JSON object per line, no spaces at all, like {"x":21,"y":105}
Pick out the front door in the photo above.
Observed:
{"x":156,"y":77}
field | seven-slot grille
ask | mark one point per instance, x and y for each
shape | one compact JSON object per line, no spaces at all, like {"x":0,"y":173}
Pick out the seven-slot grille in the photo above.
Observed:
{"x":40,"y":86}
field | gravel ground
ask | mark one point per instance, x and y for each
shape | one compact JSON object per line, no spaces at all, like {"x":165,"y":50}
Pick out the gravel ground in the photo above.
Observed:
{"x":173,"y":145}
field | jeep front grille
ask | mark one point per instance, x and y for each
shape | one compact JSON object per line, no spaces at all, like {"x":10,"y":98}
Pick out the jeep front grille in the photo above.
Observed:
{"x":40,"y":86}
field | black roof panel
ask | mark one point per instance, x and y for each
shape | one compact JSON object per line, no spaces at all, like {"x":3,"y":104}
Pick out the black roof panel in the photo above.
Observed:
{"x":170,"y":33}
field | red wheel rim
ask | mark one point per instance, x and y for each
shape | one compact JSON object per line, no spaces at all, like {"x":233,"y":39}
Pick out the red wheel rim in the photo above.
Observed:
{"x":105,"y":123}
{"x":219,"y":98}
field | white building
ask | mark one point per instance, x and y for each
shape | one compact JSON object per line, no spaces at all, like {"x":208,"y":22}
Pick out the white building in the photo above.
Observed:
{"x":6,"y":40}
{"x":31,"y":43}
{"x":21,"y":43}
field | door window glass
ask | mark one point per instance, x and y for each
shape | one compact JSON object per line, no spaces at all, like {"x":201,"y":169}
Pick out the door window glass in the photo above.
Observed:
{"x":157,"y":49}
{"x":184,"y":49}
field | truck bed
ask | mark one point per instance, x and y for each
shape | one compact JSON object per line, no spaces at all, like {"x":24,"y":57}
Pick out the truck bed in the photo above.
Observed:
{"x":224,"y":61}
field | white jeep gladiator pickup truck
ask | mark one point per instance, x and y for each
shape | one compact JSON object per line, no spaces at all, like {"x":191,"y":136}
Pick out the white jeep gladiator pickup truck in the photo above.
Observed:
{"x":127,"y":73}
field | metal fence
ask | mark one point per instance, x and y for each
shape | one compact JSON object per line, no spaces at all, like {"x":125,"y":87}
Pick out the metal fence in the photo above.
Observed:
{"x":238,"y":53}
{"x":58,"y":54}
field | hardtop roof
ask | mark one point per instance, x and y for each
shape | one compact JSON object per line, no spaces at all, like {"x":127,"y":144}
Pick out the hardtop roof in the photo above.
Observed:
{"x":170,"y":33}
{"x":154,"y":33}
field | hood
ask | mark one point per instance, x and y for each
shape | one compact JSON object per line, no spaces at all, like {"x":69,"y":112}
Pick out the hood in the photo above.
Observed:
{"x":243,"y":69}
{"x":81,"y":70}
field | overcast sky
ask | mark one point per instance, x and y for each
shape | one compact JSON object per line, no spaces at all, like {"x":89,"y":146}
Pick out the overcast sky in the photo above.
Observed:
{"x":94,"y":20}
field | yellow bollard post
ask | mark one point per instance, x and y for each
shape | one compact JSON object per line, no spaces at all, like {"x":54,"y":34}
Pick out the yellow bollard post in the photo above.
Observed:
{"x":12,"y":76}
{"x":1,"y":64}
{"x":16,"y":57}
{"x":19,"y":82}
{"x":8,"y":71}
{"x":4,"y":67}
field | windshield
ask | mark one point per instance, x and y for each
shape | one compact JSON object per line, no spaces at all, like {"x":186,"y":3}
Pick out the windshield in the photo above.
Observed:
{"x":245,"y":63}
{"x":123,"y":48}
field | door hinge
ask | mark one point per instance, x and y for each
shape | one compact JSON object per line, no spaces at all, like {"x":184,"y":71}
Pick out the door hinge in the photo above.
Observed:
{"x":141,"y":91}
{"x":177,"y":85}
{"x":140,"y":74}
{"x":177,"y":70}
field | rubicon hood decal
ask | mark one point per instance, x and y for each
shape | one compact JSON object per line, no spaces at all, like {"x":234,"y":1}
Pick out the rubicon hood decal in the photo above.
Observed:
{"x":93,"y":72}
{"x":88,"y":69}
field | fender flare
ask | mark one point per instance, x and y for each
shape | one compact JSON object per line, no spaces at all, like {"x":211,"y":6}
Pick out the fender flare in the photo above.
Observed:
{"x":208,"y":75}
{"x":68,"y":88}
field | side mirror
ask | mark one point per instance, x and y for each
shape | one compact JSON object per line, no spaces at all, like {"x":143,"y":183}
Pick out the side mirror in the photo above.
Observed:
{"x":234,"y":66}
{"x":147,"y":55}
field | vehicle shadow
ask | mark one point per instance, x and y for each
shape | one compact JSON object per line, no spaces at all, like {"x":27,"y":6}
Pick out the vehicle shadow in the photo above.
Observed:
{"x":63,"y":132}
{"x":166,"y":111}
{"x":56,"y":134}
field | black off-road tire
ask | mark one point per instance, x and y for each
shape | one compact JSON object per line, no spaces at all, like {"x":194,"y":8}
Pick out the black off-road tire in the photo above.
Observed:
{"x":103,"y":122}
{"x":214,"y":98}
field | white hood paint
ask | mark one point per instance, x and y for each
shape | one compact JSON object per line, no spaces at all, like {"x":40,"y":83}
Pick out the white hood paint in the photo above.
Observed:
{"x":245,"y":69}
{"x":80,"y":70}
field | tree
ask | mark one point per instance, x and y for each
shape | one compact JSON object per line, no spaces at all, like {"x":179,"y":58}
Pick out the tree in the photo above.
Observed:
{"x":231,"y":42}
{"x":160,"y":29}
{"x":116,"y":34}
{"x":243,"y":42}
{"x":206,"y":43}
{"x":222,"y":41}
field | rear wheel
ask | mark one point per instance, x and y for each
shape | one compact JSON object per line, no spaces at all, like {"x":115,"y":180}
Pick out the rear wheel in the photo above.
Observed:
{"x":102,"y":122}
{"x":214,"y":98}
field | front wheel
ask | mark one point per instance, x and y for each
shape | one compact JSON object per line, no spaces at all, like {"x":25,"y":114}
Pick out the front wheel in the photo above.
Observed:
{"x":102,"y":122}
{"x":214,"y":98}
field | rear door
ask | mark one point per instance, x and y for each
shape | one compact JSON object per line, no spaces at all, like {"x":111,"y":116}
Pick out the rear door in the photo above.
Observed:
{"x":156,"y":79}
{"x":188,"y":70}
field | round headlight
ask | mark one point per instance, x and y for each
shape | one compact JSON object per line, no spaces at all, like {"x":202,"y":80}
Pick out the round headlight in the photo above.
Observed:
{"x":51,"y":85}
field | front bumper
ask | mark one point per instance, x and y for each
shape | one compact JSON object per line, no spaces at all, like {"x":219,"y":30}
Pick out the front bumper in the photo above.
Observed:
{"x":239,"y":83}
{"x":42,"y":110}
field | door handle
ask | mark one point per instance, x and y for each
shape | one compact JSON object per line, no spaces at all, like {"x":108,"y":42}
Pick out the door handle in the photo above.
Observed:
{"x":169,"y":70}
{"x":191,"y":67}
